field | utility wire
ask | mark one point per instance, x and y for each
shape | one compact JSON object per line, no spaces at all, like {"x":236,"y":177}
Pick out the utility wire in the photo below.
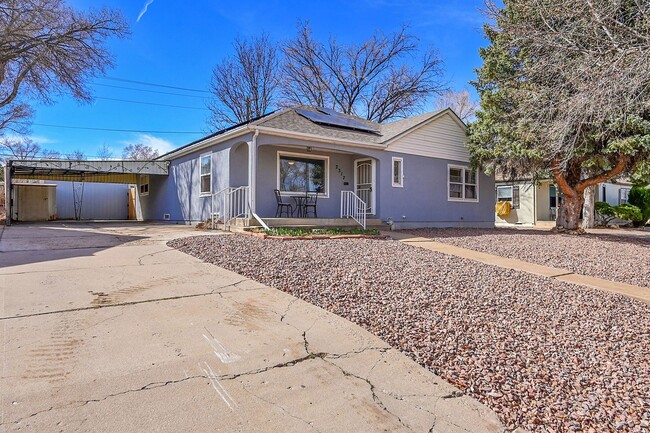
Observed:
{"x":149,"y":91}
{"x":47,"y":125}
{"x":144,"y":83}
{"x":148,"y":103}
{"x":60,"y":155}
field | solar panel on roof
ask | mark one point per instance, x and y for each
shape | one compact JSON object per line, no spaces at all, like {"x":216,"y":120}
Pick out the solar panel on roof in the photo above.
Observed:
{"x":334,"y":120}
{"x":328,"y":111}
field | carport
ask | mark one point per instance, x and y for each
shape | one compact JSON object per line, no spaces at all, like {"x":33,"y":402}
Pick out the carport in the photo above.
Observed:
{"x":111,"y":171}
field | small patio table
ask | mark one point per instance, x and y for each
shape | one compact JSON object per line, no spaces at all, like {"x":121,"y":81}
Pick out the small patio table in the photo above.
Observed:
{"x":300,"y":205}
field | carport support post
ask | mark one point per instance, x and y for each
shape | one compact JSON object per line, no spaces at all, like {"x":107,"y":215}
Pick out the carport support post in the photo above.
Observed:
{"x":8,"y":201}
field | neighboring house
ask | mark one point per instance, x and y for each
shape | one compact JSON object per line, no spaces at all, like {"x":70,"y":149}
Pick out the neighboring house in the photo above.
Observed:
{"x":534,"y":202}
{"x":413,"y":172}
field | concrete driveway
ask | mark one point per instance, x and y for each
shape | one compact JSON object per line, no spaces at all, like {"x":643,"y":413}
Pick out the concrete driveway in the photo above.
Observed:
{"x":106,"y":329}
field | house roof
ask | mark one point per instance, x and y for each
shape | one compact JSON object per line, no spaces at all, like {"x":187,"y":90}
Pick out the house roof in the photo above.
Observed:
{"x":290,"y":121}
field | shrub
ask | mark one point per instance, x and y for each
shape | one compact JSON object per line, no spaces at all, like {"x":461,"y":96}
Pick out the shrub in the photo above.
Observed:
{"x":640,"y":197}
{"x":629,"y":212}
{"x":604,"y":212}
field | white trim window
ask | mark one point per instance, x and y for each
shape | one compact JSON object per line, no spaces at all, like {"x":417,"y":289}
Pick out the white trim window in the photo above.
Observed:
{"x":462,"y":183}
{"x":299,"y":173}
{"x":397,"y":175}
{"x":508,"y":193}
{"x":623,"y":195}
{"x":144,"y":184}
{"x":205,"y":184}
{"x":504,"y":193}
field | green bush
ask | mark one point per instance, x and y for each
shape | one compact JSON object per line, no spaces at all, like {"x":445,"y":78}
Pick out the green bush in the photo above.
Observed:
{"x":640,"y":197}
{"x":629,"y":212}
{"x":604,"y":212}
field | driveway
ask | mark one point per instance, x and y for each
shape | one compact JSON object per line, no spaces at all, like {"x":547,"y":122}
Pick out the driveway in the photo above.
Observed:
{"x":106,"y":329}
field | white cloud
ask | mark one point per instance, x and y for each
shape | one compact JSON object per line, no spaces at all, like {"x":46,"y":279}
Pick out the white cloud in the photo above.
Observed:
{"x":157,"y":143}
{"x":144,"y":9}
{"x":38,"y":139}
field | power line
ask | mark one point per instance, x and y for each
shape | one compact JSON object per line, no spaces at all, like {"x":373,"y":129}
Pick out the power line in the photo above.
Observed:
{"x":149,"y":103}
{"x":47,"y":125}
{"x":144,"y":83}
{"x":149,"y":91}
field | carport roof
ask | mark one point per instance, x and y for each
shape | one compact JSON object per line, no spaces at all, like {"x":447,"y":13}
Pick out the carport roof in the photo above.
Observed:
{"x":112,"y":171}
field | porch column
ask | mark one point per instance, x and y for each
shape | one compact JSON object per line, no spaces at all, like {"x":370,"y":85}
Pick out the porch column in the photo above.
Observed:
{"x":252,"y":170}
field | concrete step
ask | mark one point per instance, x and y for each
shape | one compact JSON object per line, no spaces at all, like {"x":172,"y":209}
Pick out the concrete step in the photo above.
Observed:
{"x":307,"y":222}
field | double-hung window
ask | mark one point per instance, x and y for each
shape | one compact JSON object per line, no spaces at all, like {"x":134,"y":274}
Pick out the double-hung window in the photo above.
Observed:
{"x":398,"y":172}
{"x":206,"y":174}
{"x":462,"y":183}
{"x":298,"y":173}
{"x":509,"y":193}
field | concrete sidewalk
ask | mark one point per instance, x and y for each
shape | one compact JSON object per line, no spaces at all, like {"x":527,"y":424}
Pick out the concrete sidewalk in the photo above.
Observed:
{"x":636,"y":292}
{"x":106,"y":329}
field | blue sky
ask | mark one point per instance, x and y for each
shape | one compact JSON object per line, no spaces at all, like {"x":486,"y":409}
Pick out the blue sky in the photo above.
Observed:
{"x":176,"y":43}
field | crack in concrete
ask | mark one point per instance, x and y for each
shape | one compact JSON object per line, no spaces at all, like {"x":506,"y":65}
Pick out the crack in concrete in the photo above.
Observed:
{"x":153,"y":254}
{"x":286,"y":311}
{"x":122,"y":304}
{"x":282,"y":408}
{"x":454,"y":394}
{"x":373,"y":392}
{"x":81,"y":403}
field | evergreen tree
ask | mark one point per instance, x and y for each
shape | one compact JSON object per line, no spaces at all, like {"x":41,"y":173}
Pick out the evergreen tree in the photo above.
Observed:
{"x":565,"y":91}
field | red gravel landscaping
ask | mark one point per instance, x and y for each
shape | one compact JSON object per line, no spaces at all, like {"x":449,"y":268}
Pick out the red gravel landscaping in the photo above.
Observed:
{"x":547,"y":356}
{"x":625,"y":259}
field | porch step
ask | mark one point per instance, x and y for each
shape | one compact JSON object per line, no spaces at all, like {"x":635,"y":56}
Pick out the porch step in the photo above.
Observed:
{"x":307,"y":222}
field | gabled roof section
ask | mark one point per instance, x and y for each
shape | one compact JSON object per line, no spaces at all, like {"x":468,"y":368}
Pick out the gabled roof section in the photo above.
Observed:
{"x":216,"y":134}
{"x":399,"y":128}
{"x":289,"y":121}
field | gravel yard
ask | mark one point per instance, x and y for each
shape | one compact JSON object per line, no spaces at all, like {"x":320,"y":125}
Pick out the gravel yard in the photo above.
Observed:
{"x":618,"y":258}
{"x":545,"y":355}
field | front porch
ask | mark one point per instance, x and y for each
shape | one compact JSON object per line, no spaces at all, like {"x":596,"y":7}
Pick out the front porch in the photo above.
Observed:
{"x":269,"y":184}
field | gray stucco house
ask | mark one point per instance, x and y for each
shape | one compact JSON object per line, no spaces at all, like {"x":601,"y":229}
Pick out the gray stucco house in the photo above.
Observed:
{"x":412,"y":172}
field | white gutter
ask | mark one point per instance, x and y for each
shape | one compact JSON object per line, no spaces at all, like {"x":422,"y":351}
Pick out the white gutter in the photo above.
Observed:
{"x":270,"y":131}
{"x":318,"y":138}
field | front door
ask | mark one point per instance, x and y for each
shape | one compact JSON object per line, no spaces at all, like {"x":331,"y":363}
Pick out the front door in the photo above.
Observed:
{"x":364,"y":182}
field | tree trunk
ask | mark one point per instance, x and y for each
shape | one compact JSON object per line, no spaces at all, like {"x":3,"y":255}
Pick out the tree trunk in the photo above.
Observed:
{"x":571,"y":184}
{"x":588,"y":211}
{"x":568,"y":216}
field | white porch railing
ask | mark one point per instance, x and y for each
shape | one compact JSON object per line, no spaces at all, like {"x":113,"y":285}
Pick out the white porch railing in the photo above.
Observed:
{"x":230,"y":203}
{"x":353,"y":207}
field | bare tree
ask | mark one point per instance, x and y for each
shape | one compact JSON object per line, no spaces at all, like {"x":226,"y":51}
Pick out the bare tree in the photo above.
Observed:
{"x":19,"y":149}
{"x":139,"y":152}
{"x":374,"y":79}
{"x":104,"y":153}
{"x":244,"y":85}
{"x":50,"y":154}
{"x":77,"y":155}
{"x":460,"y":101}
{"x":46,"y":48}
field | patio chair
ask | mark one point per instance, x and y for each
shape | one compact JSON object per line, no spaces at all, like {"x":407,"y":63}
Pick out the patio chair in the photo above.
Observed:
{"x":282,"y":206}
{"x":311,"y":198}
